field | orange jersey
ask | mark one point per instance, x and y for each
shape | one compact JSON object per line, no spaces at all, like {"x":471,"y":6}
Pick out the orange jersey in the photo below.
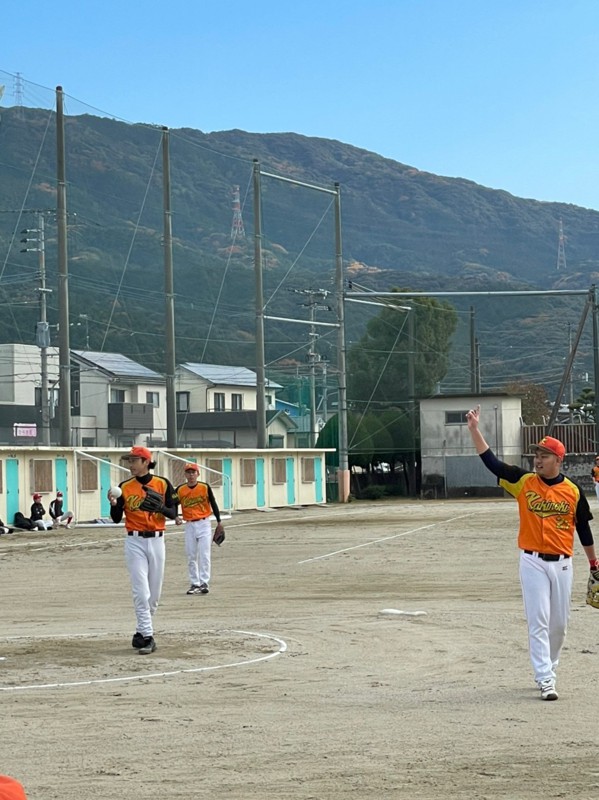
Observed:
{"x":595,"y":474}
{"x":195,"y":501}
{"x":133,"y":494}
{"x":547,"y":513}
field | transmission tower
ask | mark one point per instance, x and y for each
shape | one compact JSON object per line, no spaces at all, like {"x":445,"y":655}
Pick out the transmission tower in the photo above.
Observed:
{"x":237,"y":229}
{"x":18,"y":93}
{"x":561,"y":250}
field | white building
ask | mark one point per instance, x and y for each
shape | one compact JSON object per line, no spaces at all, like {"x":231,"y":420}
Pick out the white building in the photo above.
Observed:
{"x":450,"y":464}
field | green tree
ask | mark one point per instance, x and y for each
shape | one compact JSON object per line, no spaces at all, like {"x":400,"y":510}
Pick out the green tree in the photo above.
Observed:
{"x":534,"y":401}
{"x":379,"y":364}
{"x":585,"y":404}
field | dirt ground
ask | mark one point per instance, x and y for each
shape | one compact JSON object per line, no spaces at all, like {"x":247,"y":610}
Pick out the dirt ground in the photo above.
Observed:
{"x":287,"y":681}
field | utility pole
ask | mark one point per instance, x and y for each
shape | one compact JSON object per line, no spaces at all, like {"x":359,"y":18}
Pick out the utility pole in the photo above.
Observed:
{"x":42,"y":327}
{"x":169,"y":292}
{"x":64,"y":345}
{"x":314,"y":295}
{"x":343,"y":478}
{"x":260,"y":357}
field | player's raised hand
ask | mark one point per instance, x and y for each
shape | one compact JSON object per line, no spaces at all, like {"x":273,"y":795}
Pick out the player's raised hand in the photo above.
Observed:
{"x":473,"y":418}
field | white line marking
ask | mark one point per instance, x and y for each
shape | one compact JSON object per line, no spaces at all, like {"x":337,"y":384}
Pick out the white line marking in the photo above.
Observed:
{"x":385,"y":538}
{"x":282,"y":648}
{"x":403,"y":613}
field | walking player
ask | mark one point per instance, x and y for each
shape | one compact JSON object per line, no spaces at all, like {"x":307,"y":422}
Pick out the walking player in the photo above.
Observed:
{"x":551,"y":506}
{"x":197,"y":504}
{"x":595,"y":476}
{"x":144,"y":543}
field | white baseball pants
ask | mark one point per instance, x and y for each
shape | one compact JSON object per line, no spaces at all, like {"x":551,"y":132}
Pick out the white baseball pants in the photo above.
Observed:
{"x":198,"y":548}
{"x":546,"y":590}
{"x":145,"y":562}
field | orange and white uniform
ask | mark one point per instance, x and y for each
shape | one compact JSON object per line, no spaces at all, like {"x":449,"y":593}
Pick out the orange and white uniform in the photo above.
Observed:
{"x":197,"y":505}
{"x":551,"y":511}
{"x":595,"y":476}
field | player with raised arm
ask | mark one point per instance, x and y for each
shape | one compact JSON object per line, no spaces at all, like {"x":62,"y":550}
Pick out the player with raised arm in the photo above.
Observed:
{"x":551,"y":507}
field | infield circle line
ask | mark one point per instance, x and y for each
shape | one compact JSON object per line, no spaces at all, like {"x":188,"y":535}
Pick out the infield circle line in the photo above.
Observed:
{"x":169,"y":674}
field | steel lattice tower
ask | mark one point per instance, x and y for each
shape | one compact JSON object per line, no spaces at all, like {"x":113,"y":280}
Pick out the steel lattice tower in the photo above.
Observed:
{"x":237,"y":229}
{"x":561,"y":250}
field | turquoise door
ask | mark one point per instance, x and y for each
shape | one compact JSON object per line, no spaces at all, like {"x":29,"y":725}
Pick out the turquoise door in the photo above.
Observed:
{"x":12,"y":490}
{"x":290,"y":478}
{"x":318,"y":485}
{"x":260,"y":496}
{"x":105,"y":485}
{"x":60,"y":479}
{"x":228,"y":484}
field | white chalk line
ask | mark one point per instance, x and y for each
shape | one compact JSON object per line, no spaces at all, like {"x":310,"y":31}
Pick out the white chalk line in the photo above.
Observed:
{"x":386,"y":538}
{"x":169,"y":674}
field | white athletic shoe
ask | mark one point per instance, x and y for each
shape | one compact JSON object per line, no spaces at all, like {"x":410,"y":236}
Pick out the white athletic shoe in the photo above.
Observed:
{"x":548,"y":690}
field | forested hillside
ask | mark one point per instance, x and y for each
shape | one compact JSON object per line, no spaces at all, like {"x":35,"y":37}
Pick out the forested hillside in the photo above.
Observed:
{"x":401,"y":227}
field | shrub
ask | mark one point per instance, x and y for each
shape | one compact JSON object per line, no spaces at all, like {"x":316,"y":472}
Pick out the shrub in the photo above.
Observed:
{"x":373,"y":493}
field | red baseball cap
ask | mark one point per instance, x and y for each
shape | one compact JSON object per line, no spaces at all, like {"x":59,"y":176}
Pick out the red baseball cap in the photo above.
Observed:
{"x":191,"y":466}
{"x":550,"y":445}
{"x":37,"y":496}
{"x":10,"y":789}
{"x":141,"y":452}
{"x":58,"y":494}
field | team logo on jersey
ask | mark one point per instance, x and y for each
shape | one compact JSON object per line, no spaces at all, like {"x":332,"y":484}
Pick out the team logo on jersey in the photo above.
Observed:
{"x":546,"y":508}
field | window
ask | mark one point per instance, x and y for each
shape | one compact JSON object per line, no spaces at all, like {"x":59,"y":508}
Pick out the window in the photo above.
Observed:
{"x":307,"y":470}
{"x":268,"y":399}
{"x":153,"y":399}
{"x":219,"y":401}
{"x":40,"y":475}
{"x":87,"y":474}
{"x":117,"y":395}
{"x":456,"y":418}
{"x":279,"y":471}
{"x":182,"y":400}
{"x":248,"y":471}
{"x":214,"y":478}
{"x":236,"y":402}
{"x":274,"y":440}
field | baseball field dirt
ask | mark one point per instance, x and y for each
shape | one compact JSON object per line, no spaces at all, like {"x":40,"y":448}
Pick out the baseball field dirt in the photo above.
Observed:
{"x":287,"y":681}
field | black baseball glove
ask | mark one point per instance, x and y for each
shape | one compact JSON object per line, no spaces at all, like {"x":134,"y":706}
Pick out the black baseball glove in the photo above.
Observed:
{"x":219,"y":536}
{"x":593,"y":589}
{"x":152,"y":502}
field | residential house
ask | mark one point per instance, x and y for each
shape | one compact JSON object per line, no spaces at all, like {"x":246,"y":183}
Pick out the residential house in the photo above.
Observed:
{"x":21,"y":392}
{"x":116,"y":402}
{"x":216,"y":407}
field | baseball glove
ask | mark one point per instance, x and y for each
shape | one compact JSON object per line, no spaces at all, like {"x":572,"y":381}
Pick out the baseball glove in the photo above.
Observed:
{"x":593,"y":589}
{"x":219,"y":538}
{"x":152,"y":502}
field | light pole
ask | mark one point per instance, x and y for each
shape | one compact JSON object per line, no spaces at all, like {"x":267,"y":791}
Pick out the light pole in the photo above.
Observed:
{"x":42,"y":327}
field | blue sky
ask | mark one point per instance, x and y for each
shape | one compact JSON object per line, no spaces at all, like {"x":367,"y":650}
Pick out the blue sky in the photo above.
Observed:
{"x":501,"y":92}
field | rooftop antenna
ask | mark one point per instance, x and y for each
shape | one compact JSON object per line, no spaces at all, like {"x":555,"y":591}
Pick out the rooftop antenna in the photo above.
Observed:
{"x":237,"y":229}
{"x":561,"y":250}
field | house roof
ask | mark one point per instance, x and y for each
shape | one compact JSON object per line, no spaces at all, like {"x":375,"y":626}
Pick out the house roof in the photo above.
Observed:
{"x":229,"y":376}
{"x":231,"y":420}
{"x":118,"y":365}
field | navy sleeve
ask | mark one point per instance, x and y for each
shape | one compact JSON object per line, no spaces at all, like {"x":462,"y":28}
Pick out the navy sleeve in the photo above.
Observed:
{"x":503,"y":471}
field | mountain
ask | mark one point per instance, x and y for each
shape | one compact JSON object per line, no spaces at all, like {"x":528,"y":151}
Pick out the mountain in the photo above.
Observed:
{"x":401,"y":227}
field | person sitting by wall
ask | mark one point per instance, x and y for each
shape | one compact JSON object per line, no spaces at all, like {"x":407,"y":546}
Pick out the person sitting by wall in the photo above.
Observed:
{"x":38,"y":512}
{"x":60,"y":517}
